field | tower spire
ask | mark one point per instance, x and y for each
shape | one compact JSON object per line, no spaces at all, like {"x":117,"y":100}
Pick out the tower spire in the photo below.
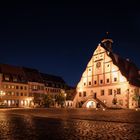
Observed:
{"x":107,"y":42}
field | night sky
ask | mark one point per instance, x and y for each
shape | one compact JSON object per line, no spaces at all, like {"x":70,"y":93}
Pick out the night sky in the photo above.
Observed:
{"x":59,"y":38}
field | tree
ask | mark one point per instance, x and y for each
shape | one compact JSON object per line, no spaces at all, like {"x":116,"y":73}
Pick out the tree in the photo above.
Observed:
{"x":136,"y":98}
{"x":47,"y":100}
{"x":60,"y":99}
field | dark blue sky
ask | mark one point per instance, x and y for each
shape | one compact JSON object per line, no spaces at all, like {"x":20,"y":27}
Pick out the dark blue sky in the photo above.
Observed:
{"x":60,"y":39}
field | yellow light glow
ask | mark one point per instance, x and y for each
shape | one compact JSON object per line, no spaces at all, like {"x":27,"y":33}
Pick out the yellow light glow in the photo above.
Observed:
{"x":122,"y":78}
{"x":91,"y":104}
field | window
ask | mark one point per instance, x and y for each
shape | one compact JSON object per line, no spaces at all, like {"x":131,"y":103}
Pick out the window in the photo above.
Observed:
{"x":115,"y":79}
{"x":4,"y":86}
{"x":17,"y":87}
{"x":89,"y":83}
{"x":108,"y":65}
{"x":110,"y":92}
{"x":98,"y":64}
{"x":21,"y":94}
{"x":14,"y":79}
{"x":25,"y":88}
{"x":21,"y":87}
{"x":84,"y":84}
{"x":118,"y":91}
{"x":95,"y":82}
{"x":6,"y":78}
{"x":80,"y":94}
{"x":12,"y":87}
{"x":30,"y":94}
{"x":89,"y":69}
{"x":102,"y":93}
{"x":107,"y":80}
{"x":17,"y":94}
{"x":84,"y":93}
{"x":101,"y":81}
{"x":12,"y":93}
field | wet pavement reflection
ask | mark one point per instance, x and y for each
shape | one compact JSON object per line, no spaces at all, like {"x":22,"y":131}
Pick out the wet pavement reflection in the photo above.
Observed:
{"x":17,"y":126}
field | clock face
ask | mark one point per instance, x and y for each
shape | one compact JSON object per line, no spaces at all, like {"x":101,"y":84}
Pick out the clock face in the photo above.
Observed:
{"x":98,"y":64}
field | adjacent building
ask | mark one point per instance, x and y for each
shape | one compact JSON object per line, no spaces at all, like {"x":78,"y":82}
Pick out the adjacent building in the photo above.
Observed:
{"x":108,"y":80}
{"x":25,"y":87}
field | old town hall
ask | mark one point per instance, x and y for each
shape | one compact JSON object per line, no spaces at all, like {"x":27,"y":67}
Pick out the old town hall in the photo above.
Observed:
{"x":108,"y":80}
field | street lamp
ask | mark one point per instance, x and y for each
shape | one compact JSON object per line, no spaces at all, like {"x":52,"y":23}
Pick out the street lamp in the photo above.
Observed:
{"x":53,"y":102}
{"x":2,"y":93}
{"x":65,"y":95}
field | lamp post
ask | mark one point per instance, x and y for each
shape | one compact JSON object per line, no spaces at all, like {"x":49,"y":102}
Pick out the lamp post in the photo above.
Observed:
{"x":65,"y":95}
{"x":127,"y":98}
{"x":2,"y":93}
{"x":53,"y":102}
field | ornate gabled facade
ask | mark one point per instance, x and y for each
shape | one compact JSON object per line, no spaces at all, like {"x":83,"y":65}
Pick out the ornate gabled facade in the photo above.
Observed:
{"x":108,"y":80}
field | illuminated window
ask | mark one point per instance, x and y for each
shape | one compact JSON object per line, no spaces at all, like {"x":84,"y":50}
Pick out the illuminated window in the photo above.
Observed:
{"x":110,"y":92}
{"x":102,"y":92}
{"x":12,"y":87}
{"x":12,"y":93}
{"x":14,"y":79}
{"x":118,"y":91}
{"x":6,"y":78}
{"x":84,"y":93}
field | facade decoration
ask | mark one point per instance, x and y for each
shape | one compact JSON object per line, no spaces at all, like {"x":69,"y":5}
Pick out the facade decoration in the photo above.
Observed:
{"x":108,"y":80}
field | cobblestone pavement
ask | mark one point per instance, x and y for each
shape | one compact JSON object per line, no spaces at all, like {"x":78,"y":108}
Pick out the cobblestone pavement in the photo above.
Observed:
{"x":74,"y":124}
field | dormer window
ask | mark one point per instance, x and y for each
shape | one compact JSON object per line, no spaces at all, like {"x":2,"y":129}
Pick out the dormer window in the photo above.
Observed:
{"x":6,"y":78}
{"x":14,"y":79}
{"x":89,"y":83}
